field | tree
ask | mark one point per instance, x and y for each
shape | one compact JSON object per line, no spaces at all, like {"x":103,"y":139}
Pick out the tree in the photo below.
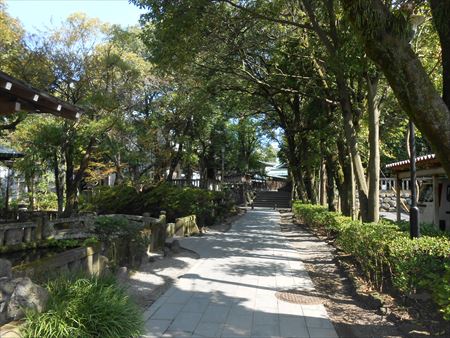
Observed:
{"x":386,"y":36}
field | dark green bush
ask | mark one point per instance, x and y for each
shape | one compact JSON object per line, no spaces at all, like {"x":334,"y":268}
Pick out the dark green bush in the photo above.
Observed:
{"x":85,"y":307}
{"x":125,"y":242}
{"x":112,"y":200}
{"x":386,"y":254}
{"x":176,"y":201}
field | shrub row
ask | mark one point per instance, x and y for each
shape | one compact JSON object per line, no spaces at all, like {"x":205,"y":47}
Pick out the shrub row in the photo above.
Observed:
{"x":176,"y":201}
{"x":386,"y":254}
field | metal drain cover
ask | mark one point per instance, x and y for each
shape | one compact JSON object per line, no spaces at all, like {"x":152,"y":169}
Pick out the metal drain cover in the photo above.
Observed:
{"x":298,"y":297}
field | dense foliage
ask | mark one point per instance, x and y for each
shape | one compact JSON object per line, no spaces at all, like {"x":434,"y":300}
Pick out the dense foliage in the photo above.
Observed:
{"x":208,"y":206}
{"x":85,"y":307}
{"x":386,"y":254}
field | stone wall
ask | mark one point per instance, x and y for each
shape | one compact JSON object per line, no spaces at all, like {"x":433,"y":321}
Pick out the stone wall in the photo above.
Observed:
{"x":152,"y":228}
{"x":388,"y":200}
{"x":14,"y":235}
{"x":83,"y":259}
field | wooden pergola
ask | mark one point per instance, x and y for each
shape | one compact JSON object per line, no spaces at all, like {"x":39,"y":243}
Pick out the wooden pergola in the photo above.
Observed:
{"x":427,"y":166}
{"x":18,"y":96}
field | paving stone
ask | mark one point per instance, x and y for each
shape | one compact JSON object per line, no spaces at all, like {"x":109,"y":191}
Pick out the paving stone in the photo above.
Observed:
{"x":261,"y":331}
{"x":230,"y":292}
{"x":167,"y":311}
{"x":156,"y":327}
{"x":186,"y":322}
{"x":216,"y":313}
{"x":208,"y":329}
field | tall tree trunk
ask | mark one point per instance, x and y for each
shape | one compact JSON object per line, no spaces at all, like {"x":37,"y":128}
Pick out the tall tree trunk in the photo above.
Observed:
{"x":330,"y":169}
{"x":387,"y":46}
{"x":70,"y":186}
{"x":118,"y":164}
{"x":310,"y":186}
{"x":174,"y":162}
{"x":323,"y":183}
{"x":343,"y":178}
{"x":374,"y":145}
{"x":72,"y":179}
{"x":441,"y":13}
{"x":30,"y":185}
{"x":295,"y":166}
{"x":352,"y":141}
{"x":58,"y":186}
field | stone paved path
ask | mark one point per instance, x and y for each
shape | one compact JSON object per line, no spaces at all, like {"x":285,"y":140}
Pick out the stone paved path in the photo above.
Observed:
{"x":230,"y":292}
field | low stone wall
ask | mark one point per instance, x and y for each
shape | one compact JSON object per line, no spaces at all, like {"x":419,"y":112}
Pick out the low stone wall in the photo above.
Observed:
{"x":388,"y":200}
{"x":153,"y":228}
{"x":83,"y":259}
{"x":15,"y":234}
{"x":186,"y":226}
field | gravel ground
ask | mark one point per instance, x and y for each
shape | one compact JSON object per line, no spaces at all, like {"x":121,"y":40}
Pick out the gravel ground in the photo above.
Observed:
{"x":350,"y":317}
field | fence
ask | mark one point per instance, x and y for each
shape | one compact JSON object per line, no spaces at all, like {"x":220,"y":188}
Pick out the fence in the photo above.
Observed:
{"x":209,"y":184}
{"x":87,"y":259}
{"x":18,"y":233}
{"x":388,"y":183}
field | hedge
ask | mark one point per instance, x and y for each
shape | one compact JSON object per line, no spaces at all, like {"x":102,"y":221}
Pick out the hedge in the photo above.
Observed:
{"x":176,"y":201}
{"x":386,"y":254}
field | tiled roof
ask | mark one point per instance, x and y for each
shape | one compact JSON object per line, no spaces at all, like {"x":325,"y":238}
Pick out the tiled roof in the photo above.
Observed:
{"x":420,"y":161}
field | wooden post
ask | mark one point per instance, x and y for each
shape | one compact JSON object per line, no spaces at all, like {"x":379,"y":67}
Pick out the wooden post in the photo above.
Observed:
{"x":398,"y":184}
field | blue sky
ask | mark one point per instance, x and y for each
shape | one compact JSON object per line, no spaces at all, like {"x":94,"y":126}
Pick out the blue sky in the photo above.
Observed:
{"x":35,"y":15}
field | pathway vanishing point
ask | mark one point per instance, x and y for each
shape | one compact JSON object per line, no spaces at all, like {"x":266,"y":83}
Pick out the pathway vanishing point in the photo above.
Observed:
{"x":231,"y":291}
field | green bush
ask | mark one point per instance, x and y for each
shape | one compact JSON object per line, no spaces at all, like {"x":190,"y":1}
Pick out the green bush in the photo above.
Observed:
{"x":386,"y":254}
{"x":176,"y":201}
{"x":85,"y":307}
{"x":419,"y":263}
{"x":125,"y":242}
{"x":442,"y":293}
{"x":113,"y":200}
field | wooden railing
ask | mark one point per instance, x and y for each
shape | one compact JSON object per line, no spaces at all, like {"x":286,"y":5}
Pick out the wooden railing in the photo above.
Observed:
{"x":209,"y":184}
{"x":215,"y":185}
{"x":388,"y":183}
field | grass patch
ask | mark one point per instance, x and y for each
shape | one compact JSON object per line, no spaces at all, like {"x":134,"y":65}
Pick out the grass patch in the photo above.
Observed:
{"x":84,"y":307}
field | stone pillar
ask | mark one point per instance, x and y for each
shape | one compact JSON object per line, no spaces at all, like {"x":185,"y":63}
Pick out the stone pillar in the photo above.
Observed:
{"x":170,"y":230}
{"x":89,"y":263}
{"x":47,"y":228}
{"x":95,"y":263}
{"x":27,"y":234}
{"x":39,"y":229}
{"x":146,"y":219}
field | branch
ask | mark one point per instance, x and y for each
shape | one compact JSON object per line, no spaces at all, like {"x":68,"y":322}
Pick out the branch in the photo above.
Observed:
{"x":266,"y":17}
{"x":12,"y":125}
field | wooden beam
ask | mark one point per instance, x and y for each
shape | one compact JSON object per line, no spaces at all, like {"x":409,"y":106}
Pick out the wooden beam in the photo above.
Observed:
{"x":9,"y":107}
{"x":423,"y":172}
